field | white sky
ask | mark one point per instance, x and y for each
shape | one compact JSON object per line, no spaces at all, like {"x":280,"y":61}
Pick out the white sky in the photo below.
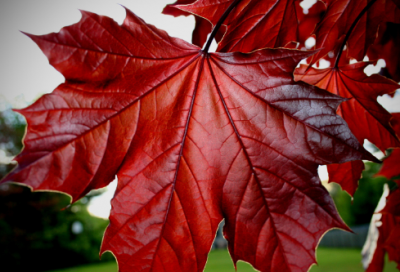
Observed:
{"x":24,"y":70}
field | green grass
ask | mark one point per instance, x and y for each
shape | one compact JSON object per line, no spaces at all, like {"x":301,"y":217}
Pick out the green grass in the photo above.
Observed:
{"x":343,"y":260}
{"x":329,"y":260}
{"x":220,"y":261}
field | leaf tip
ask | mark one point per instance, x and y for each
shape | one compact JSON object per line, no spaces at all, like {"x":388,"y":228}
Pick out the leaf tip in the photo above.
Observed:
{"x":303,"y":54}
{"x":85,"y":13}
{"x":32,"y":36}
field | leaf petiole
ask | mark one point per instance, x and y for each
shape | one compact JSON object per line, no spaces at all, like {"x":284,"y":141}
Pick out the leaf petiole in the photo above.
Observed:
{"x":367,"y":7}
{"x":218,"y":25}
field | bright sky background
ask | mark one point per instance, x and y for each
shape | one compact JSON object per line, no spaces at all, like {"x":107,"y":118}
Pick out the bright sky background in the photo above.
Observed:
{"x":24,"y":70}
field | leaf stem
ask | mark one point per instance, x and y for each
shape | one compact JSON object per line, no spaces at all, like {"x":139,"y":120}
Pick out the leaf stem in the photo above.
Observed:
{"x":218,"y":25}
{"x":351,"y":30}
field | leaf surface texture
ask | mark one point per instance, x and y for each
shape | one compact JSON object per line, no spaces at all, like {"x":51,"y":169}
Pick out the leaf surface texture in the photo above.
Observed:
{"x":193,"y":138}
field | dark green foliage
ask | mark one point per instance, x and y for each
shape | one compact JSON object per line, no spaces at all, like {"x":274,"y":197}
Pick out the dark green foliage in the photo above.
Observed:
{"x":36,"y":232}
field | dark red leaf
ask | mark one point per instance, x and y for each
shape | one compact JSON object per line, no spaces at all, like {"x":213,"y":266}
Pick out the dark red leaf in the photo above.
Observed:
{"x":362,"y":112}
{"x":193,"y":138}
{"x":364,"y":115}
{"x":172,"y":10}
{"x":201,"y":31}
{"x":253,"y":24}
{"x":397,"y":2}
{"x":390,"y":167}
{"x":387,"y":47}
{"x":393,"y":204}
{"x":392,"y":245}
{"x":341,"y":14}
{"x":346,"y":174}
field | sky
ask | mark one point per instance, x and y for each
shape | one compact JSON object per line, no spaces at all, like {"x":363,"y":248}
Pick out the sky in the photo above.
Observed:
{"x":24,"y":70}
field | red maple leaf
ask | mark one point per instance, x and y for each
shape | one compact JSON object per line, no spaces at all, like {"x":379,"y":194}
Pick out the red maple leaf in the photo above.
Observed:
{"x":364,"y":115}
{"x":338,"y":19}
{"x":193,"y":138}
{"x":252,"y":24}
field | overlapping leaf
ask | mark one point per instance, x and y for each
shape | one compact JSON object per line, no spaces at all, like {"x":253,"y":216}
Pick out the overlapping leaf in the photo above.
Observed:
{"x":387,"y":47}
{"x":308,"y":22}
{"x":193,"y":138}
{"x":346,"y":174}
{"x":366,"y":118}
{"x":202,"y":27}
{"x":390,"y":168}
{"x":253,"y":24}
{"x":337,"y":21}
{"x":172,"y":10}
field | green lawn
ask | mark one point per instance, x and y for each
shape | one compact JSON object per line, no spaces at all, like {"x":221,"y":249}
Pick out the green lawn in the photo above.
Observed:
{"x":329,"y":259}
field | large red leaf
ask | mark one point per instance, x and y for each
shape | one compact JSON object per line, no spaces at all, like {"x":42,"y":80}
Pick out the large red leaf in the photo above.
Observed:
{"x":366,"y":118}
{"x":193,"y":138}
{"x":253,"y":24}
{"x":337,"y":21}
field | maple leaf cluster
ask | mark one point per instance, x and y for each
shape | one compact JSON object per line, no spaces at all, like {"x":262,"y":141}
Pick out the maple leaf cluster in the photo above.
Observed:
{"x":197,"y":137}
{"x":389,"y":220}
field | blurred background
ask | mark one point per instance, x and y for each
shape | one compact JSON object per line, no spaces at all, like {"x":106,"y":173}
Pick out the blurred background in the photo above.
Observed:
{"x":41,"y":231}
